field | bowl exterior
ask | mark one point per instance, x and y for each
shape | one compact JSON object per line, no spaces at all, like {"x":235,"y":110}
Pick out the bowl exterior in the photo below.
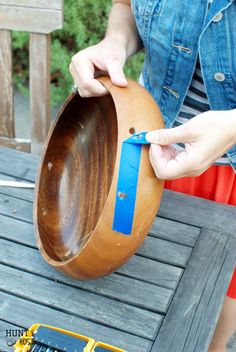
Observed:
{"x":106,"y":250}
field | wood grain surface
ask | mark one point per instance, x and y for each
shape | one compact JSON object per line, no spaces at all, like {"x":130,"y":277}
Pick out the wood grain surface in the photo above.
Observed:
{"x":6,"y":91}
{"x":40,"y":78}
{"x":31,"y":16}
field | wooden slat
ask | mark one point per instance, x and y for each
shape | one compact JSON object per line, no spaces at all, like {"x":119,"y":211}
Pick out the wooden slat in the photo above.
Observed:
{"x":44,"y":4}
{"x":16,"y":143}
{"x":175,"y":231}
{"x":11,"y":228}
{"x":26,"y":313}
{"x":80,"y":303}
{"x":231,"y":346}
{"x":18,"y":164}
{"x":21,"y":193}
{"x":153,"y":272}
{"x":17,"y":208}
{"x":30,"y":19}
{"x":114,"y":286}
{"x":165,"y":251}
{"x":199,"y":212}
{"x":192,"y":316}
{"x":6,"y":91}
{"x":39,"y":89}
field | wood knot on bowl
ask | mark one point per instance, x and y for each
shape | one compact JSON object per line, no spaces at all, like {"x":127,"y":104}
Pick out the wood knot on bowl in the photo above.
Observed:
{"x":132,"y":130}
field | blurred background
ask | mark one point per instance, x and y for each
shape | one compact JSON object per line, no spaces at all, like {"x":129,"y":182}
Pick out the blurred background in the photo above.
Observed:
{"x":85,"y":25}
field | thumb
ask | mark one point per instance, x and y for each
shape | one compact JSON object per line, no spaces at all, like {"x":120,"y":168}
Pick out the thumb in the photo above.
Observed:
{"x":116,"y":73}
{"x":165,"y":136}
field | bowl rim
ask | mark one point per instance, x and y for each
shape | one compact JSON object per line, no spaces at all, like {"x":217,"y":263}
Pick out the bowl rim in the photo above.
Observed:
{"x":114,"y":91}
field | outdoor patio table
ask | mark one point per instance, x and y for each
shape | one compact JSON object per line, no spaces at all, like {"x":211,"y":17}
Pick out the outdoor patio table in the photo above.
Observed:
{"x":167,"y":298}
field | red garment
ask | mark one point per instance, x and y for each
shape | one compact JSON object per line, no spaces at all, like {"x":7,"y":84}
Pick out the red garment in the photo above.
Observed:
{"x":218,"y":183}
{"x":232,"y":287}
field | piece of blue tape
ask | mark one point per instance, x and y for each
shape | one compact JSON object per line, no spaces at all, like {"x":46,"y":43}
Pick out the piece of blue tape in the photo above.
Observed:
{"x":127,"y":183}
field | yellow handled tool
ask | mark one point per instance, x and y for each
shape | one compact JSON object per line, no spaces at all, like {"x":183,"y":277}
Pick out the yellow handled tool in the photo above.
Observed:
{"x":45,"y":338}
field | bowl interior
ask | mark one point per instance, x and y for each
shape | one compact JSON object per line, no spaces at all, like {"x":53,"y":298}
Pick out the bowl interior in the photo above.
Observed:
{"x":76,"y":175}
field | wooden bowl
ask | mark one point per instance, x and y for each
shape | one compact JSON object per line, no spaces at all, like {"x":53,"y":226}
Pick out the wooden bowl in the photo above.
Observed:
{"x":76,"y":185}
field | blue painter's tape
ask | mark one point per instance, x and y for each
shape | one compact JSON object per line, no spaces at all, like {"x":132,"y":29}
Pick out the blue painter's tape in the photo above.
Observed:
{"x":127,"y":183}
{"x":139,"y":138}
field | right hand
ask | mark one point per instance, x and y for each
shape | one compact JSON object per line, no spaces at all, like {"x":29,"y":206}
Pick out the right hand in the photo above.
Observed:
{"x":109,"y":55}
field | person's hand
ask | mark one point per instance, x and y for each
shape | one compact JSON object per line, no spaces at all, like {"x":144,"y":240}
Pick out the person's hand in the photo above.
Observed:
{"x":109,"y":55}
{"x":206,"y":137}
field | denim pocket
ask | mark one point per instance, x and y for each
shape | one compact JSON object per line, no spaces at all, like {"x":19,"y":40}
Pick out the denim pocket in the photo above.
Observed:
{"x":144,"y":11}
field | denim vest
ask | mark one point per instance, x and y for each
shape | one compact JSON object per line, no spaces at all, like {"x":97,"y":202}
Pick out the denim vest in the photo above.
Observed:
{"x":174,"y":33}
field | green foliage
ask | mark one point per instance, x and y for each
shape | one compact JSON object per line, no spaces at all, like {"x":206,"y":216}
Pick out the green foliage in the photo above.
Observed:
{"x":84,"y":25}
{"x":20,"y":60}
{"x":133,"y":66}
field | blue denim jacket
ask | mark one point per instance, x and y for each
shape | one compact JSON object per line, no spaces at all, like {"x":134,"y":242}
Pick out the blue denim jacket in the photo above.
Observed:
{"x":174,"y":33}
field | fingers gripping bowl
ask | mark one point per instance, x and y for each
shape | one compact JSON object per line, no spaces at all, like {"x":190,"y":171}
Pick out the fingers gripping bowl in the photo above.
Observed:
{"x":76,"y":184}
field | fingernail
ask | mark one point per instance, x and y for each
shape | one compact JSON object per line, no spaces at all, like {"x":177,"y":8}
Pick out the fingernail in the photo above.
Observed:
{"x":122,"y":81}
{"x":148,"y":137}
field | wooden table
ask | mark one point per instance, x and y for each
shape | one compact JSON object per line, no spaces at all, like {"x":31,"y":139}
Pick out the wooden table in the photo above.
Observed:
{"x":165,"y":299}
